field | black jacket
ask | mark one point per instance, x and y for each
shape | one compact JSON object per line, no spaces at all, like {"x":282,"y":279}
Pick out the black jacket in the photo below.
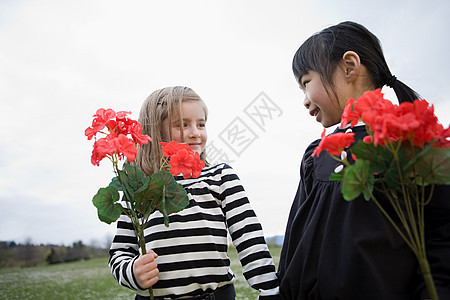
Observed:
{"x":337,"y":249}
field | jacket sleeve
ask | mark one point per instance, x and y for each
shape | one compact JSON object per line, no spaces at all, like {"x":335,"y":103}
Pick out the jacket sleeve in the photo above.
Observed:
{"x":248,"y":238}
{"x":123,"y":252}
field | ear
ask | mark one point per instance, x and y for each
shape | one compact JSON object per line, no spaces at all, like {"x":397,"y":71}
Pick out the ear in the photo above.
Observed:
{"x":351,"y":64}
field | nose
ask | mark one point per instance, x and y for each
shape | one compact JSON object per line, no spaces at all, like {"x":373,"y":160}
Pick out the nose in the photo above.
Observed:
{"x":193,"y":132}
{"x":306,"y":102}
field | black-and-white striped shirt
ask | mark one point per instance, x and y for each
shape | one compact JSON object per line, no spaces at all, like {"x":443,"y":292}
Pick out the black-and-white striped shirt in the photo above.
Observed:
{"x":192,"y":251}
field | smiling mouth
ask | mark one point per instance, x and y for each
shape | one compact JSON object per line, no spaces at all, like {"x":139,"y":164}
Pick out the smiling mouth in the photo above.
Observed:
{"x":314,"y":112}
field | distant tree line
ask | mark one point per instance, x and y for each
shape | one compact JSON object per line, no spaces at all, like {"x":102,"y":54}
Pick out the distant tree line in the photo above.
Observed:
{"x":28,"y":255}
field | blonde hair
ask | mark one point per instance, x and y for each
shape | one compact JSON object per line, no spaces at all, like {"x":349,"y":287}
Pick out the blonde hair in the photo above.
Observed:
{"x":160,"y":105}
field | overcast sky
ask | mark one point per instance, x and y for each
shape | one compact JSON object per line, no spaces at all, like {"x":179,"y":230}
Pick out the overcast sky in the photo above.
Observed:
{"x":62,"y":60}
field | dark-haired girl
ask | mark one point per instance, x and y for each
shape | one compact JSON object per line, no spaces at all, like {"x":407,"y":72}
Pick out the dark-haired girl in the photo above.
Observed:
{"x":334,"y":249}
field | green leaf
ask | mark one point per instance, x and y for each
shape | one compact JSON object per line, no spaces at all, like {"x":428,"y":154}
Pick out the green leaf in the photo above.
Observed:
{"x":106,"y":202}
{"x":364,"y":151}
{"x":403,"y":160}
{"x":434,"y":166}
{"x":126,"y":184}
{"x":336,"y":176}
{"x":370,"y":185}
{"x":136,"y":177}
{"x":162,"y":193}
{"x":356,"y":179}
{"x":391,"y":176}
{"x":115,"y":183}
{"x":379,"y":157}
{"x":133,"y":179}
{"x":417,"y":155}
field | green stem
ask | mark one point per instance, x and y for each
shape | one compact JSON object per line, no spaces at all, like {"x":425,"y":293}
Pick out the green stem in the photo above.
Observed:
{"x":128,"y":199}
{"x":393,"y":223}
{"x":428,"y":278}
{"x":141,"y":237}
{"x":393,"y":200}
{"x":416,"y":242}
{"x":411,"y":223}
{"x":138,"y":228}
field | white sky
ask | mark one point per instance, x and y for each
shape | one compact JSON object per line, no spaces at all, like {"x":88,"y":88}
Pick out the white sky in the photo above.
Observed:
{"x":62,"y":60}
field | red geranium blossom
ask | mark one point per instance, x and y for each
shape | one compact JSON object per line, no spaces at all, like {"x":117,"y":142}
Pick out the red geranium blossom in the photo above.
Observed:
{"x":101,"y":117}
{"x":102,"y":148}
{"x":115,"y":141}
{"x":187,"y":163}
{"x":182,"y":159}
{"x":125,"y":146}
{"x":426,"y":127}
{"x":198,"y":166}
{"x":173,"y":147}
{"x":116,"y":123}
{"x":349,"y":115}
{"x":121,"y":145}
{"x":89,"y":132}
{"x":135,"y":129}
{"x":414,"y":122}
{"x":122,"y":114}
{"x":334,"y":143}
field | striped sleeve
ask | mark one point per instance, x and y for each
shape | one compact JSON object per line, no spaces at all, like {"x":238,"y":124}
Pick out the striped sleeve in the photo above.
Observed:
{"x":123,"y":252}
{"x":248,"y":238}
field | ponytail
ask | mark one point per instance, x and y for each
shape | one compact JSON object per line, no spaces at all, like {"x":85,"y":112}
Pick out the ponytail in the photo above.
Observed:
{"x":403,"y":92}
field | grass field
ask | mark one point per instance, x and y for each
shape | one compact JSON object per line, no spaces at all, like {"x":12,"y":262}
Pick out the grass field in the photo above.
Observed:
{"x":90,"y":279}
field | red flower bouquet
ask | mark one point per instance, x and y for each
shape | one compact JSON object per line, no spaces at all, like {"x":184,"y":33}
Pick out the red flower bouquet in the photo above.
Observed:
{"x":406,"y":153}
{"x":141,"y":194}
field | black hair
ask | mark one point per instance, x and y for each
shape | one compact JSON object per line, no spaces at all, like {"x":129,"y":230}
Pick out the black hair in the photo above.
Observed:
{"x":323,"y":51}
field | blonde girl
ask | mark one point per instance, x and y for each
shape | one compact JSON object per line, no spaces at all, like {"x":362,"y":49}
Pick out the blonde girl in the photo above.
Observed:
{"x":189,"y":258}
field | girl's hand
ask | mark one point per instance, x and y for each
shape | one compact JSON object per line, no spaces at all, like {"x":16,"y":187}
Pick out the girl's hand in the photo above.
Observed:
{"x":145,"y":270}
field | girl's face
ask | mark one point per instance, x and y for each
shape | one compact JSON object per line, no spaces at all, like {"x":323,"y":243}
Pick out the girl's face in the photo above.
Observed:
{"x":326,"y":110}
{"x":193,"y":125}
